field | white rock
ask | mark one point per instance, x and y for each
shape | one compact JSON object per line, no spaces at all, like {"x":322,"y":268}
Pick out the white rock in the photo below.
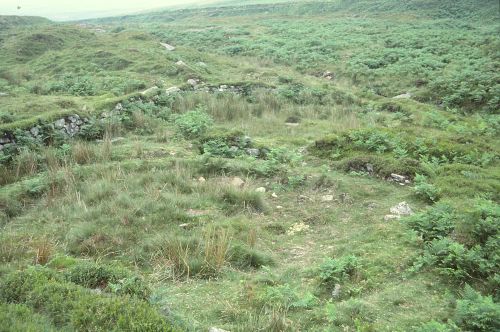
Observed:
{"x":402,"y":209}
{"x":279,"y":207}
{"x":216,"y":329}
{"x":403,"y":96}
{"x":398,"y":178}
{"x":290,"y":124}
{"x":237,"y":182}
{"x":192,"y":82}
{"x":180,"y":63}
{"x":327,"y":198}
{"x":273,"y":195}
{"x":260,"y":190}
{"x":167,"y":46}
{"x":201,"y":179}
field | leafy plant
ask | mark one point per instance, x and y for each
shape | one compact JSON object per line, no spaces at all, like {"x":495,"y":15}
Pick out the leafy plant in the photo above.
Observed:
{"x":193,"y":123}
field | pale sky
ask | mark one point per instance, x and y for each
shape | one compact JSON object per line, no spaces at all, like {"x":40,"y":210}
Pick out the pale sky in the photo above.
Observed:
{"x":77,"y":9}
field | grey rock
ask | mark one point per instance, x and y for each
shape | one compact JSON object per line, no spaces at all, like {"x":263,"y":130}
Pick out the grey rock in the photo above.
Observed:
{"x":119,"y":107}
{"x":216,"y":329}
{"x":327,"y":198}
{"x":390,"y":217}
{"x":260,"y":190}
{"x":253,"y":152}
{"x":4,"y":140}
{"x":180,"y":63}
{"x":336,"y":291}
{"x":398,"y":178}
{"x":201,"y":64}
{"x":168,"y":46}
{"x":60,"y":123}
{"x":3,"y":94}
{"x":35,"y":131}
{"x":369,"y":168}
{"x":234,"y":149}
{"x":402,"y":209}
{"x":403,"y":96}
{"x":192,"y":82}
{"x":237,"y":182}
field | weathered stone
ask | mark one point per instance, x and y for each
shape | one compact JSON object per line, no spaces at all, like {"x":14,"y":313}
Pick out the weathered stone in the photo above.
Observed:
{"x":3,"y":94}
{"x":201,"y":179}
{"x":369,"y":168}
{"x":336,"y":291}
{"x":59,"y":123}
{"x":173,"y":89}
{"x":260,"y":190}
{"x":273,"y":195}
{"x":290,"y":124}
{"x":253,"y":152}
{"x":402,"y":209}
{"x":201,"y":64}
{"x":180,"y":63}
{"x":151,"y":91}
{"x":403,"y":96}
{"x":327,"y":198}
{"x":192,"y":82}
{"x":4,"y":140}
{"x":398,"y":178}
{"x":168,"y":46}
{"x":237,"y":182}
{"x":35,"y":131}
{"x":216,"y":329}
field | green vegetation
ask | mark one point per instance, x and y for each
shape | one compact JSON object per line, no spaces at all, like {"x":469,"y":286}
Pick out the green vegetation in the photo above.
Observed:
{"x":251,"y":178}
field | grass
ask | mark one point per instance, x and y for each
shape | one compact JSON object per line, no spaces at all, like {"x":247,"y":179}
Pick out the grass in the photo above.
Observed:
{"x":121,"y":217}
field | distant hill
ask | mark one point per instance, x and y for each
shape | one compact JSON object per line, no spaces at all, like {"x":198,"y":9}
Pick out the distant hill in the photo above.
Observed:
{"x":473,"y":9}
{"x":7,"y":22}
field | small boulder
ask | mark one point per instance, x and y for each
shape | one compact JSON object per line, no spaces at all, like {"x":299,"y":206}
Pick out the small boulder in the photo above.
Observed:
{"x":402,"y":209}
{"x":336,"y":291}
{"x":151,"y":91}
{"x":237,"y":182}
{"x":253,"y":152}
{"x":260,"y":190}
{"x":168,"y":46}
{"x":398,"y":178}
{"x":273,"y":195}
{"x":192,"y":82}
{"x":3,"y":94}
{"x":327,"y":198}
{"x":201,"y":179}
{"x":403,"y":96}
{"x":216,"y":329}
{"x":180,"y":63}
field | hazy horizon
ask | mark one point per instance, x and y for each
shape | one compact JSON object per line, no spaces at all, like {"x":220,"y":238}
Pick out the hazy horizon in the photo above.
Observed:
{"x":61,"y":10}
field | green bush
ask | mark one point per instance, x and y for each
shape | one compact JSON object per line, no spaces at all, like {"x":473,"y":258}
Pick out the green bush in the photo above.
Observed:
{"x":193,"y":123}
{"x":337,"y":270}
{"x":19,"y":317}
{"x":428,"y":192}
{"x":475,"y":312}
{"x":237,"y":200}
{"x":439,"y":221}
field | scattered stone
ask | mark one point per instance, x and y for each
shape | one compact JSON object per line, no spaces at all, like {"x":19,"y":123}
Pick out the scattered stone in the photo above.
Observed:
{"x":260,"y":190}
{"x":201,"y":64}
{"x":390,"y":217}
{"x":184,"y":225}
{"x":327,"y":198}
{"x":403,"y":96}
{"x":35,"y":131}
{"x":336,"y":291}
{"x":151,"y":91}
{"x":201,"y":179}
{"x":117,"y":139}
{"x":216,"y":329}
{"x":3,"y":94}
{"x":59,"y":123}
{"x":398,"y":178}
{"x":328,"y":75}
{"x":273,"y":195}
{"x":180,"y":63}
{"x":173,"y":89}
{"x":253,"y":152}
{"x":402,"y":209}
{"x":279,"y":207}
{"x":168,"y":47}
{"x":192,"y":82}
{"x":369,"y":168}
{"x":289,"y":124}
{"x":237,"y":182}
{"x":4,"y":140}
{"x":297,"y":228}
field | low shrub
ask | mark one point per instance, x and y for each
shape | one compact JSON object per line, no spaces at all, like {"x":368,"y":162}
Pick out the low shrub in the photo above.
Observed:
{"x":337,"y":270}
{"x":193,"y":123}
{"x":437,"y":222}
{"x":475,"y":312}
{"x":424,"y":190}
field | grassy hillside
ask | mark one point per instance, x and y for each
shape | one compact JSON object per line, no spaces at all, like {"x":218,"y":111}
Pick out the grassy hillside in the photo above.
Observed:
{"x":255,"y":166}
